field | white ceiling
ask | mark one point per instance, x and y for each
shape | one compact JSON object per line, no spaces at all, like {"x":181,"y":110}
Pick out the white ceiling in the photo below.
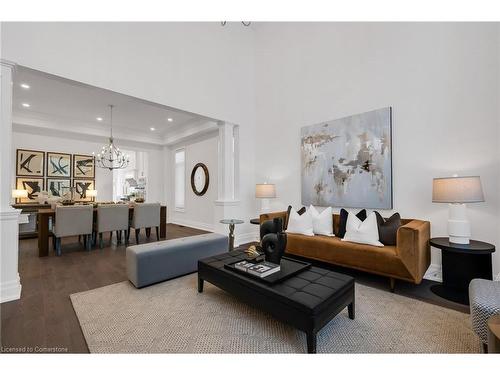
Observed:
{"x":71,"y":106}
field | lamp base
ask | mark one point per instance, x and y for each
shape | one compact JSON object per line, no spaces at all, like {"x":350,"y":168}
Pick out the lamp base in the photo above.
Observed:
{"x":458,"y":225}
{"x":264,"y":206}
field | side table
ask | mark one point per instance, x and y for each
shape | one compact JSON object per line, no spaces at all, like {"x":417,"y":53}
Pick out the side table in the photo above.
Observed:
{"x":460,"y":264}
{"x":231,"y":223}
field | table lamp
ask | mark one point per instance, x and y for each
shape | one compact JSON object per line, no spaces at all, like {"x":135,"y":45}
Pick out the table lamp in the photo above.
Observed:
{"x":264,"y":192}
{"x":18,"y":194}
{"x":92,"y":194}
{"x":457,"y":191}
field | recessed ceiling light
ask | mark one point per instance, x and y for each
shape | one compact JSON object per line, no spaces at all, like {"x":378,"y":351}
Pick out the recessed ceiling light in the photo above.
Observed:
{"x":98,"y":118}
{"x":25,"y":86}
{"x":152,"y":129}
{"x":26,"y":105}
{"x":170,"y":119}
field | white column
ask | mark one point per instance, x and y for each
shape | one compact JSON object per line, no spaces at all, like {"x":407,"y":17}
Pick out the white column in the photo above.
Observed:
{"x":10,"y":286}
{"x":226,"y":205}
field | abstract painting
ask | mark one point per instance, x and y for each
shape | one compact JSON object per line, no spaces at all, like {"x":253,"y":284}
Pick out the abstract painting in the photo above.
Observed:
{"x":58,"y":165}
{"x":83,"y":166}
{"x":348,"y":162}
{"x":32,"y":185}
{"x":29,"y":163}
{"x":81,"y":187}
{"x":58,"y":187}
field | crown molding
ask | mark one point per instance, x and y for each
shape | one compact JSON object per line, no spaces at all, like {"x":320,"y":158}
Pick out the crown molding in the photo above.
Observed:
{"x":8,"y":64}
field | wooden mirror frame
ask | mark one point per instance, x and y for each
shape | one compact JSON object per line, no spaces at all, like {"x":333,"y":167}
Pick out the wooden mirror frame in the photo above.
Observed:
{"x":207,"y":179}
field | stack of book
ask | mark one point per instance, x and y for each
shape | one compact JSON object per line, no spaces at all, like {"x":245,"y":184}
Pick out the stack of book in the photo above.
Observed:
{"x":261,"y":269}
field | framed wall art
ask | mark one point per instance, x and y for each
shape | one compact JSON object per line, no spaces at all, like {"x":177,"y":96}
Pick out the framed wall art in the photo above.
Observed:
{"x":348,"y":162}
{"x":33,"y":185}
{"x":30,"y":163}
{"x":58,"y":165}
{"x":83,"y":166}
{"x":81,"y":187}
{"x":57,"y":187}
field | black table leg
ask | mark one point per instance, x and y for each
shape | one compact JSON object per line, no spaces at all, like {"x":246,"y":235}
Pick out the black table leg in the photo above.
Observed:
{"x":351,"y":311}
{"x":311,"y":342}
{"x":200,"y":285}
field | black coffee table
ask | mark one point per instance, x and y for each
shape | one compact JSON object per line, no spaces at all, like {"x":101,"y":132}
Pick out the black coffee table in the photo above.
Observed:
{"x":307,"y":301}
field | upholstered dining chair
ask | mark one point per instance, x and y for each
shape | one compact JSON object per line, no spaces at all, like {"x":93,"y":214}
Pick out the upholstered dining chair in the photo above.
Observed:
{"x":146,"y":215}
{"x":73,"y":221}
{"x":112,"y":217}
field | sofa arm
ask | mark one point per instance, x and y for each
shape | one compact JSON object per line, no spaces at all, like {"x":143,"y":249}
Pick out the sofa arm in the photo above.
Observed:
{"x":413,"y":247}
{"x":272,"y":215}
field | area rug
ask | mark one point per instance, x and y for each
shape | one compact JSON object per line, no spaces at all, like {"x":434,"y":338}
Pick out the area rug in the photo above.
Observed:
{"x":172,"y":317}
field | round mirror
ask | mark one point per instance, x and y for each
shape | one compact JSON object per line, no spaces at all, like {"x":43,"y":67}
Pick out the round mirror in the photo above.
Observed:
{"x":199,"y":179}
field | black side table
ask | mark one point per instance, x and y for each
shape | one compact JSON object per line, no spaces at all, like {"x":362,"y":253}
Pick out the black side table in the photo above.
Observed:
{"x":461,"y":264}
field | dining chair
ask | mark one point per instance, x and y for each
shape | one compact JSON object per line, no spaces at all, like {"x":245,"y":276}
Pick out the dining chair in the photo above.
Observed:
{"x":146,"y":215}
{"x":112,"y":217}
{"x":73,"y":221}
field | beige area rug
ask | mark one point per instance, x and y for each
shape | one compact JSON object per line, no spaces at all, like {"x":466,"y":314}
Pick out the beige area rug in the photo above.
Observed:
{"x":172,"y":317}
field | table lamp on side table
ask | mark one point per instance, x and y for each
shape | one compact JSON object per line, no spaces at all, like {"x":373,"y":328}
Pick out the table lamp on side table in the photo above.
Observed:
{"x":457,"y":191}
{"x":18,"y":194}
{"x":92,"y":193}
{"x":264,"y":192}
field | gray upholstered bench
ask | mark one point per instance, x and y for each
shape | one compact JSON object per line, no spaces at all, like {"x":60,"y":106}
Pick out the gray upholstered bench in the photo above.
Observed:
{"x":158,"y":261}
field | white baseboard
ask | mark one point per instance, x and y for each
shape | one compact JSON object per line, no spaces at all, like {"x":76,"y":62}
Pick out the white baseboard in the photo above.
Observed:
{"x":10,"y":291}
{"x":193,"y":224}
{"x":434,"y":273}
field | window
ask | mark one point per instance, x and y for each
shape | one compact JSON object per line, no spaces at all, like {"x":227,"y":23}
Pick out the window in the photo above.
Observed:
{"x":180,"y":179}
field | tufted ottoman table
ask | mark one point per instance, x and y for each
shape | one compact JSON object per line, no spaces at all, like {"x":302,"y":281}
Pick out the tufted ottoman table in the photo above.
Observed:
{"x":307,"y":301}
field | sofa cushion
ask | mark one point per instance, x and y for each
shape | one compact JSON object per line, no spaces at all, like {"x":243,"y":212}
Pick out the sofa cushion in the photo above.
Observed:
{"x":388,"y":229}
{"x":365,"y":232}
{"x":287,"y":218}
{"x":380,"y":260}
{"x":343,"y":221}
{"x":301,"y":224}
{"x":322,"y":221}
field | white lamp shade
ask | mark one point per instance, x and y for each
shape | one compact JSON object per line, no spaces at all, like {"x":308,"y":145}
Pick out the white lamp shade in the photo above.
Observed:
{"x":91,"y":193}
{"x":19,"y":193}
{"x":265,"y":191}
{"x":457,"y":190}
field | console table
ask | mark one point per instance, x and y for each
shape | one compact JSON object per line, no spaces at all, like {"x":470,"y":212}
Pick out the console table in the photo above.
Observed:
{"x":460,"y":264}
{"x":45,"y":215}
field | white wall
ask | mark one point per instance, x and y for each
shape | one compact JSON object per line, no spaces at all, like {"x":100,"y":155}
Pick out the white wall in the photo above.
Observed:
{"x":440,"y":79}
{"x":199,"y":210}
{"x":103,"y":177}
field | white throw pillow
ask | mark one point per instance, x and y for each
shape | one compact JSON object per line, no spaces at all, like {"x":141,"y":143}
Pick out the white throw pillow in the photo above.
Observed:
{"x":300,"y":224}
{"x":365,"y":232}
{"x":322,"y":222}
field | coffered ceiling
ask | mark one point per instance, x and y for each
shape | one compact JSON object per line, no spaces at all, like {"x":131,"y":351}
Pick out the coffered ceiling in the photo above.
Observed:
{"x":46,"y":101}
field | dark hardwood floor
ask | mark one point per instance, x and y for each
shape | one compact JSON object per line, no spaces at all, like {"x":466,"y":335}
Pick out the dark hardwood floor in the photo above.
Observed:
{"x":43,"y":319}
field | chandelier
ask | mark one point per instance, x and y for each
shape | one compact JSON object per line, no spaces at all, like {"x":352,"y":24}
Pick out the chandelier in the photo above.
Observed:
{"x":110,"y":157}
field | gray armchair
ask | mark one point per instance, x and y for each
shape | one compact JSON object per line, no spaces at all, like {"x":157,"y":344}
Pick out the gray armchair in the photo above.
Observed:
{"x":113,"y":217}
{"x":146,"y":215}
{"x":73,"y":221}
{"x":484,"y":298}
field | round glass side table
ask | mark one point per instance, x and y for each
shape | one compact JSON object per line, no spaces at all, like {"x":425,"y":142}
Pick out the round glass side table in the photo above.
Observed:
{"x":232,"y":223}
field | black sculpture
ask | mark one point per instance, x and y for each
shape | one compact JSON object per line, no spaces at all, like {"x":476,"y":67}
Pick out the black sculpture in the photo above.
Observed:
{"x":273,"y":240}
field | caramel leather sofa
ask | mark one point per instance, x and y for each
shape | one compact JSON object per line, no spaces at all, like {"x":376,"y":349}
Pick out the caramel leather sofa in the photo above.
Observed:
{"x":408,"y":260}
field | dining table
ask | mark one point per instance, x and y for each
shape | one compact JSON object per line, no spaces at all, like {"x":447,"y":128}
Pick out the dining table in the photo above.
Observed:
{"x":47,"y":215}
